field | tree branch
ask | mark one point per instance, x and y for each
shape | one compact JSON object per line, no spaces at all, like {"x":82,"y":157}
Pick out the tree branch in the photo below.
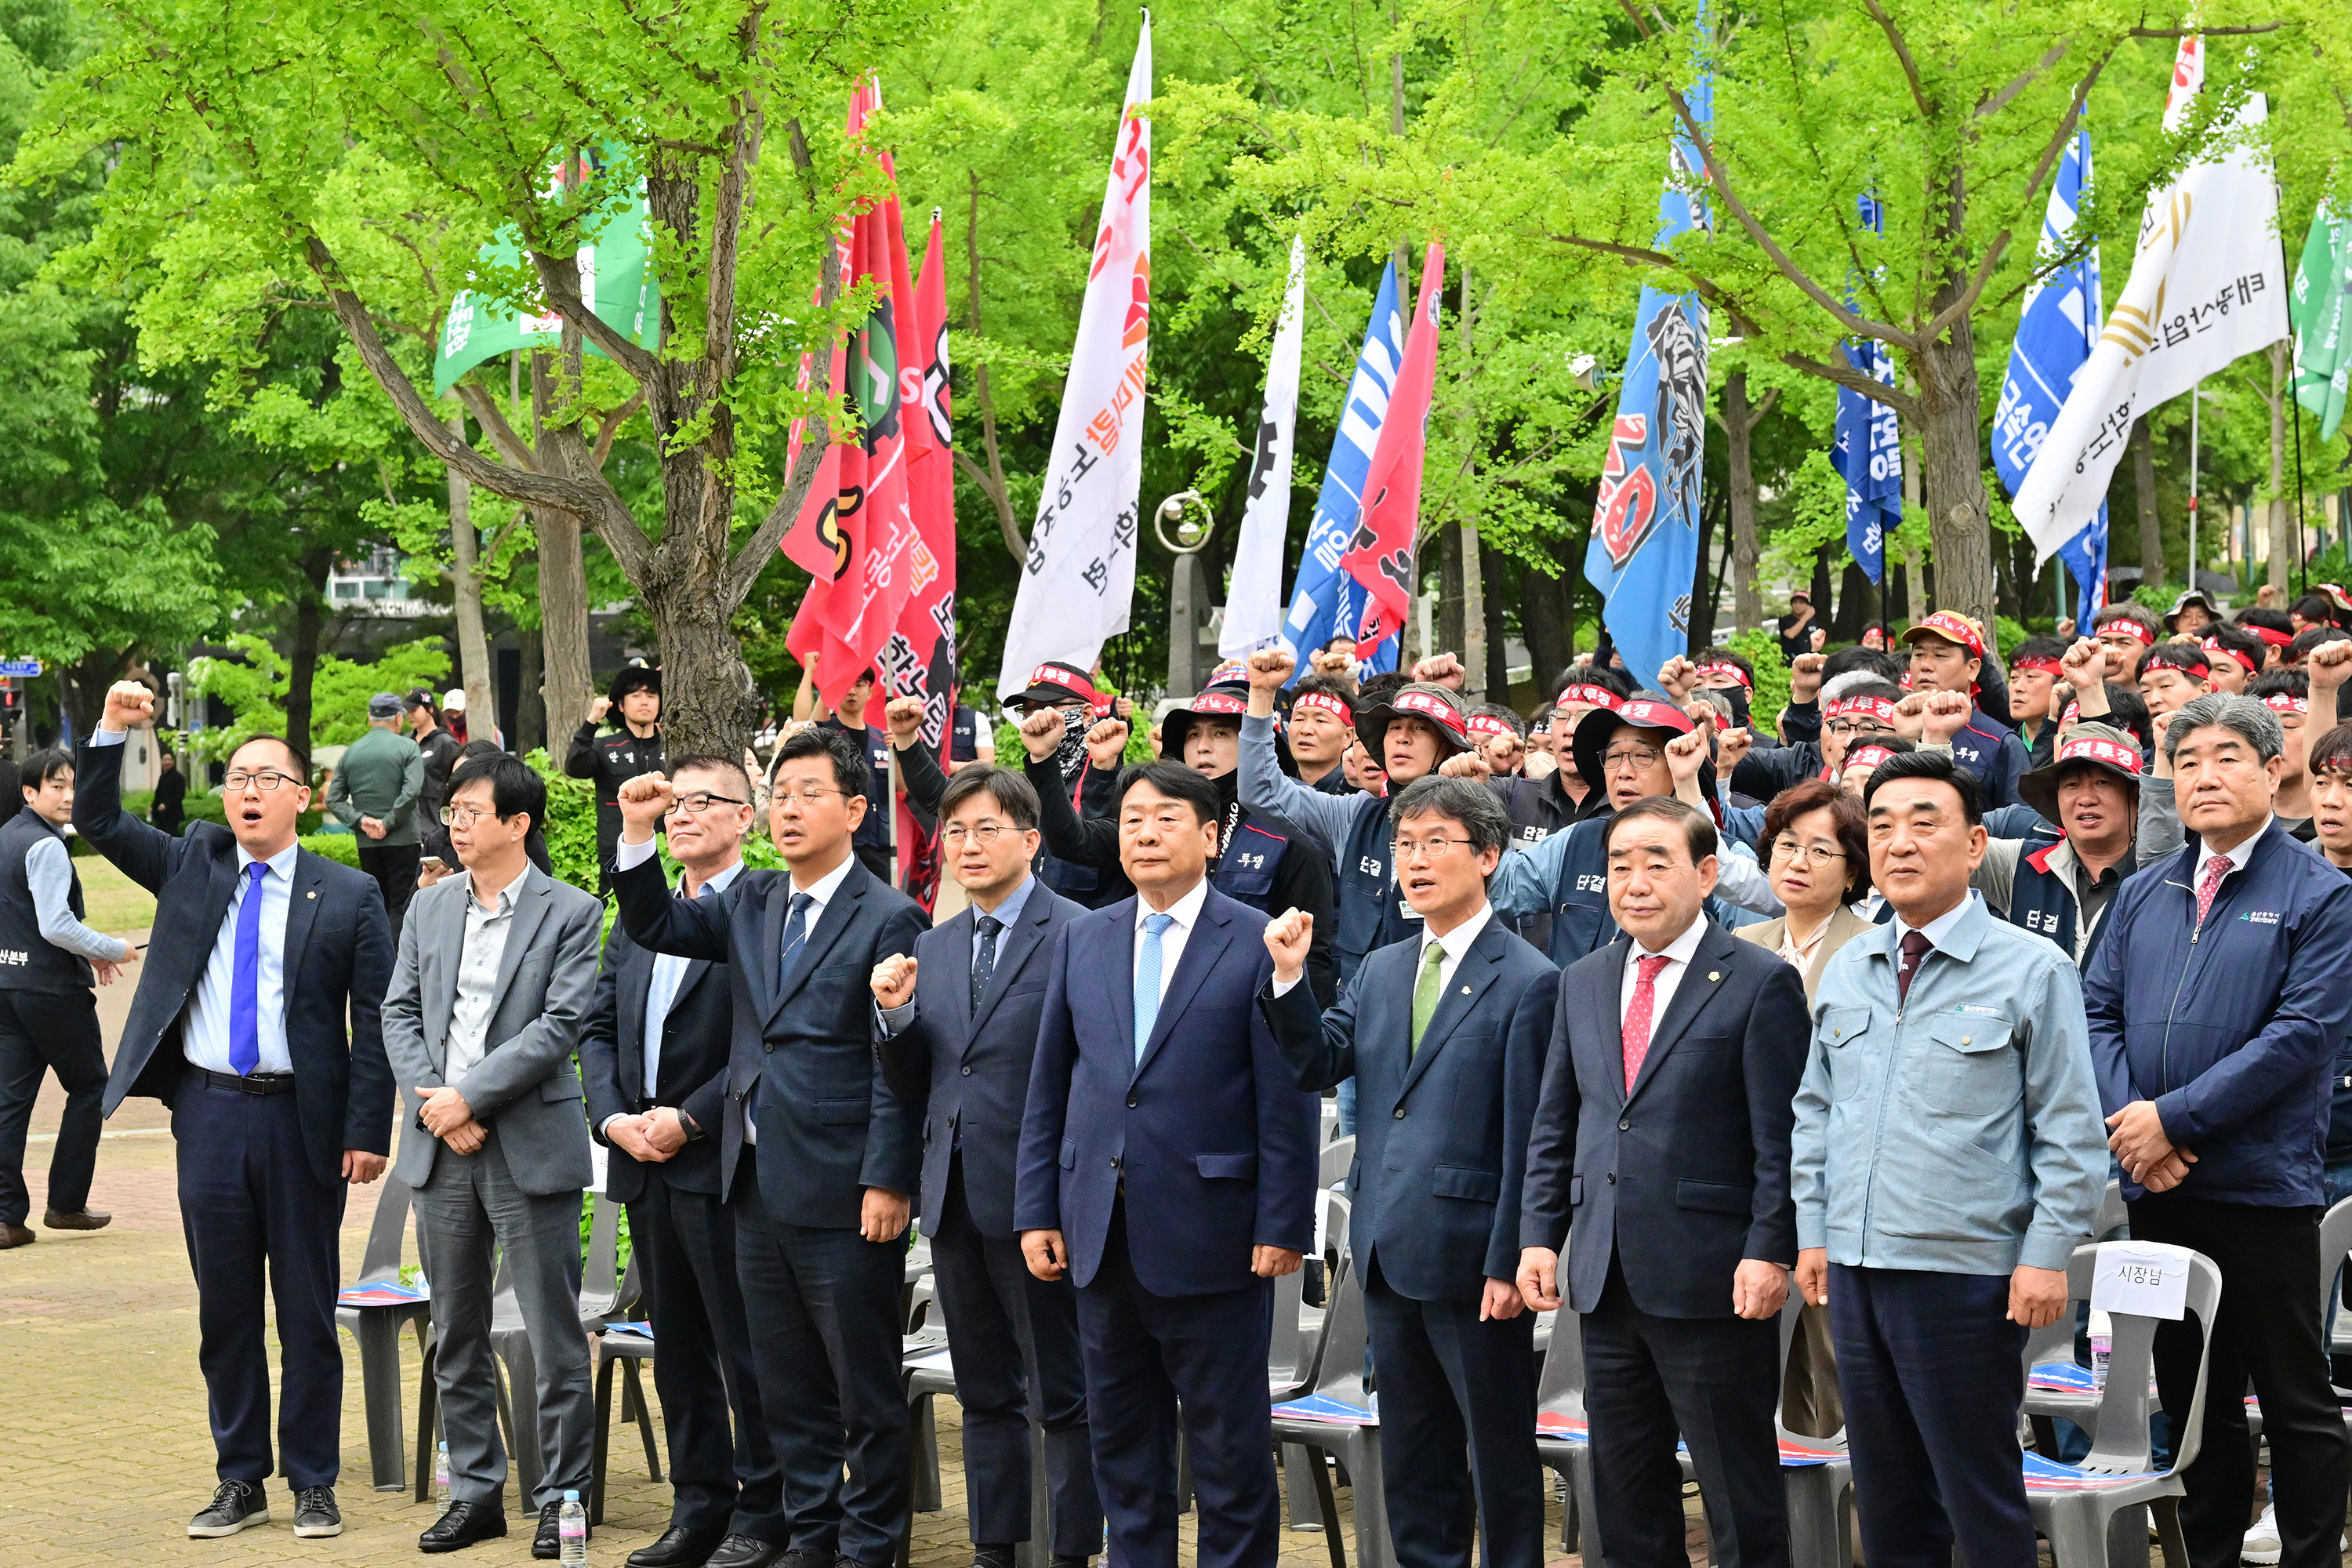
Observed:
{"x":1919,"y":97}
{"x":485,"y":410}
{"x":2023,"y":79}
{"x":1903,"y":402}
{"x":816,"y":434}
{"x":556,"y":281}
{"x":612,"y":427}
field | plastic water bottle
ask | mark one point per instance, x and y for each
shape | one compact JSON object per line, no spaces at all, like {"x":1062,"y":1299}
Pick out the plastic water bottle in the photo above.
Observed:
{"x":571,"y":1530}
{"x":441,"y":1478}
{"x":2102,"y":1345}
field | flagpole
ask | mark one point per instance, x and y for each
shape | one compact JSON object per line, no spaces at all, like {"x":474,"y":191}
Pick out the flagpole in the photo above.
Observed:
{"x":2196,"y":391}
{"x":897,"y":871}
{"x":2295,"y":416}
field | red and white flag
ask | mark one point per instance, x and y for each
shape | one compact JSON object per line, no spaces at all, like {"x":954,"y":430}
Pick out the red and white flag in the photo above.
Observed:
{"x":1381,"y":554}
{"x":1079,"y":580}
{"x":921,"y":658}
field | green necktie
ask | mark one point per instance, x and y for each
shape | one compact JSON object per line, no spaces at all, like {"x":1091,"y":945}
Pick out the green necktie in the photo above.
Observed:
{"x":1424,"y":993}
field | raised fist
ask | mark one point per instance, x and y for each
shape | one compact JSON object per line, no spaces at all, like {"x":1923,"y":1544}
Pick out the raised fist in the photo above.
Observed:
{"x":129,"y":705}
{"x":1288,"y":937}
{"x":1106,"y":742}
{"x":1943,"y":715}
{"x":1730,"y":746}
{"x":1441,"y":669}
{"x":1910,"y":715}
{"x":2084,"y":664}
{"x":1270,"y":668}
{"x":1467,"y":764}
{"x":1805,"y":676}
{"x":1683,"y":755}
{"x":598,"y":708}
{"x":904,"y":718}
{"x":1678,"y":678}
{"x":893,"y":980}
{"x":2328,"y":664}
{"x":644,"y":800}
{"x":1821,"y":637}
{"x":1042,"y":731}
{"x":1329,"y":661}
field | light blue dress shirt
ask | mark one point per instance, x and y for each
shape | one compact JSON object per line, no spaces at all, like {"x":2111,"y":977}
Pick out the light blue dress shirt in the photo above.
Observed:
{"x":669,"y":970}
{"x":206,"y":1033}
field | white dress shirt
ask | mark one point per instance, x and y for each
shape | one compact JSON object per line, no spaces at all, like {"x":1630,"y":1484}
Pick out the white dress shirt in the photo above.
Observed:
{"x":1677,"y":954}
{"x":476,"y":1000}
{"x":2237,"y":857}
{"x":1186,"y":912}
{"x":1935,"y":930}
{"x":1455,"y":944}
{"x":205,"y":1038}
{"x":661,"y":990}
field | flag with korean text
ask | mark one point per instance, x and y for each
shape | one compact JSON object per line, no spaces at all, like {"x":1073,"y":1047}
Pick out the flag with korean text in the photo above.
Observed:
{"x":920,"y":660}
{"x":2322,"y":308}
{"x":1254,"y":596}
{"x":1380,"y":551}
{"x":1867,"y":444}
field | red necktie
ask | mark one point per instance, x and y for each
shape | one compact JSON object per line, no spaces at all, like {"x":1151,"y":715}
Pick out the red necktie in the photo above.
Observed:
{"x":2209,"y":886}
{"x":1916,"y":948}
{"x":1639,"y":1013}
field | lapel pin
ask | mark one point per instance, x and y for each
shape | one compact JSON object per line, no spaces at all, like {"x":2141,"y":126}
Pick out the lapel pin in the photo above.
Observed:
{"x":1714,"y":974}
{"x":314,"y":892}
{"x":1465,"y":991}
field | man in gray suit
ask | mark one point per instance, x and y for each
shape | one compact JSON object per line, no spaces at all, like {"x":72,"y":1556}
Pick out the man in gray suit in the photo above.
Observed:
{"x":497,"y":971}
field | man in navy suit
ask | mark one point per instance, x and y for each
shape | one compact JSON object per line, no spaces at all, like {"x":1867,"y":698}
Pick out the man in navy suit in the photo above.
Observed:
{"x":1445,"y":1035}
{"x":1167,"y":1163}
{"x":821,"y":1207}
{"x":1663,"y":1133}
{"x":958,"y":1033}
{"x":260,"y":952}
{"x":652,"y":1059}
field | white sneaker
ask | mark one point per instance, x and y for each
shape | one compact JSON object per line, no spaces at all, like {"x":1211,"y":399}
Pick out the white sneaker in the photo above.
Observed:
{"x":2261,"y":1543}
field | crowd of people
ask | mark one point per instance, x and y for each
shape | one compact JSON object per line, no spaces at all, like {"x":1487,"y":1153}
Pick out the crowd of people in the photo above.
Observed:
{"x":1647,"y":1009}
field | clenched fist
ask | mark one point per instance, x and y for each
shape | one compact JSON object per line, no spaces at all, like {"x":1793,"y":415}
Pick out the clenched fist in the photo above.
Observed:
{"x":2084,"y":664}
{"x":1042,"y":731}
{"x":894,"y":981}
{"x":904,"y":718}
{"x":129,"y":705}
{"x":1730,"y":746}
{"x":1678,"y":678}
{"x":598,"y":708}
{"x":1106,"y":742}
{"x":1685,"y":754}
{"x":1288,"y":938}
{"x":1441,"y":669}
{"x":1465,"y":765}
{"x":1943,"y":715}
{"x":1805,"y":676}
{"x":644,"y":800}
{"x":2328,"y":664}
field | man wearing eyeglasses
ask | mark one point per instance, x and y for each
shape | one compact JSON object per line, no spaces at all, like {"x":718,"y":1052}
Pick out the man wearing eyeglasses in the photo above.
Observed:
{"x":653,"y":1060}
{"x":957,"y":1035}
{"x":1445,"y":1037}
{"x":256,"y":1021}
{"x":817,"y":1155}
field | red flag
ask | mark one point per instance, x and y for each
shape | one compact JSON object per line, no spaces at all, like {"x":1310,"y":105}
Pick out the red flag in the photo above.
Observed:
{"x":921,"y":658}
{"x":1380,"y":553}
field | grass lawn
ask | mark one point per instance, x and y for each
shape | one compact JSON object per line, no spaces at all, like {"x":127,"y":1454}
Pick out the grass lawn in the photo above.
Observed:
{"x":113,"y":901}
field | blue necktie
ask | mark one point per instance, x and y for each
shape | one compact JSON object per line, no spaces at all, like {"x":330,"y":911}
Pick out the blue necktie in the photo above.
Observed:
{"x":245,"y":983}
{"x":795,"y":939}
{"x":1146,"y":982}
{"x":983,"y":962}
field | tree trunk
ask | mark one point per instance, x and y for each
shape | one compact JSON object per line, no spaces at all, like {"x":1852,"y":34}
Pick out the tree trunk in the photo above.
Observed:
{"x":1823,"y":588}
{"x":2151,"y":538}
{"x":1544,"y":617}
{"x":1739,"y":455}
{"x":1705,"y":589}
{"x":531,"y":704}
{"x":567,"y":681}
{"x":1474,"y":618}
{"x":302,"y":663}
{"x":1451,"y":631}
{"x":2282,"y":547}
{"x":1498,"y":658}
{"x":1951,"y":441}
{"x":473,"y":644}
{"x":708,"y":702}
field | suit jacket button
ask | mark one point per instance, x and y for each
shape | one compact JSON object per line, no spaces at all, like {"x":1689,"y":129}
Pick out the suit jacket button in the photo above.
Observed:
{"x":1612,"y":1178}
{"x":1114,"y":1164}
{"x":1624,"y":1127}
{"x":967,"y":1072}
{"x":1399,"y":1113}
{"x":1131,"y":1101}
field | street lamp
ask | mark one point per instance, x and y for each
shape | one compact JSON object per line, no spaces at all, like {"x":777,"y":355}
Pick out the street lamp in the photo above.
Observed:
{"x":1192,"y":520}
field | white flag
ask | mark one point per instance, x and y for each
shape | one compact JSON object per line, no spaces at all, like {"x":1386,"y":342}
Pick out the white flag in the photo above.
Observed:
{"x":2207,"y":285}
{"x":1079,"y":580}
{"x":1254,"y":603}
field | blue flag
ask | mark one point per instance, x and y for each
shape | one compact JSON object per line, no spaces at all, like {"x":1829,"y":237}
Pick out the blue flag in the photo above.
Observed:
{"x":1326,"y":600}
{"x":1868,"y":446}
{"x":1644,"y":544}
{"x":2055,"y":333}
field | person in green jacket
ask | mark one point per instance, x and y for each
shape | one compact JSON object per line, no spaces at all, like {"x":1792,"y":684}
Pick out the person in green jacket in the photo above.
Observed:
{"x":374,"y":791}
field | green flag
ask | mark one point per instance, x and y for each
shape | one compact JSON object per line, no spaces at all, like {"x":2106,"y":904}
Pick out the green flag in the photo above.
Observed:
{"x":616,"y":279}
{"x":2320,"y":304}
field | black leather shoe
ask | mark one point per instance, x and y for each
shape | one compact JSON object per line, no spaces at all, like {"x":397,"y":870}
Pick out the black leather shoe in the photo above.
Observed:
{"x":991,"y":1556}
{"x":464,"y":1524}
{"x":80,"y":1219}
{"x":548,"y":1542}
{"x":235,"y":1505}
{"x":750,"y":1552}
{"x":679,"y":1547}
{"x":15,"y":1236}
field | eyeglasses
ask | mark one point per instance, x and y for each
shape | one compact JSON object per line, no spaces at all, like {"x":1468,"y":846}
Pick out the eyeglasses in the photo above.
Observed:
{"x":808,"y":793}
{"x":1435,"y":848}
{"x":952,"y":836}
{"x":1811,"y":854}
{"x":266,"y":779}
{"x":1847,"y":729}
{"x":702,"y":800}
{"x":462,"y":815}
{"x":1636,"y":757}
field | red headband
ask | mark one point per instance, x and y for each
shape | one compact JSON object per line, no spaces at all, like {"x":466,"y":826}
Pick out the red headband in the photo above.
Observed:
{"x":1876,"y":707}
{"x":2214,"y":645}
{"x":1733,"y":670}
{"x":1434,"y":707}
{"x":1328,"y":703}
{"x":1075,"y":684}
{"x":2164,"y":658}
{"x":2091,"y":749}
{"x":2275,"y":639}
{"x":1487,"y":724}
{"x":1867,"y":757}
{"x":1218,"y":702}
{"x":1645,"y":713}
{"x":2050,"y":666}
{"x":2286,"y":703}
{"x":1591,"y":696}
{"x":2069,"y":714}
{"x":2130,"y":628}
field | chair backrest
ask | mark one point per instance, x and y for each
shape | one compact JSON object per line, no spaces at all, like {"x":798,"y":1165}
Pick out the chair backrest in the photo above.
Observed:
{"x":2113,"y":1215}
{"x":1339,"y":1373}
{"x":1332,"y":1212}
{"x":1286,"y":1350}
{"x":2335,"y":1241}
{"x":600,"y":1269}
{"x":2122,"y":1443}
{"x":1336,"y":1157}
{"x":387,"y":1233}
{"x":1559,"y":1386}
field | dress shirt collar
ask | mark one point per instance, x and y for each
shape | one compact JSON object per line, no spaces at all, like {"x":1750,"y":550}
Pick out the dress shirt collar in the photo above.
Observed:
{"x":506,"y":899}
{"x":821,"y":891}
{"x":1935,"y":930}
{"x":718,"y":882}
{"x":2238,"y":856}
{"x":1681,"y":949}
{"x":1187,"y":910}
{"x":1457,"y":943}
{"x":282,"y":863}
{"x":1008,"y":913}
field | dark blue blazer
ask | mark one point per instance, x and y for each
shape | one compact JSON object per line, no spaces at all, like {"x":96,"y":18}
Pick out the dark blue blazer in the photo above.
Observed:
{"x":1212,"y":1140}
{"x":696,"y":1035}
{"x":338,"y":967}
{"x":965,"y":1073}
{"x":830,"y":1126}
{"x":1440,"y":1131}
{"x":1688,"y":1174}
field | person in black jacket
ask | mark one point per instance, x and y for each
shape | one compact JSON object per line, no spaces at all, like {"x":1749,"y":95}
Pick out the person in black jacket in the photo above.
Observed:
{"x":611,"y":760}
{"x":440,"y":748}
{"x":169,"y":809}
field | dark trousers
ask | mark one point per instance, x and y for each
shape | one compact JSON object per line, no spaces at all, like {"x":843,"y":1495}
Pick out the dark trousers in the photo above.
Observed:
{"x":1714,"y":1383}
{"x":41,"y":1031}
{"x":393,"y":867}
{"x":723,"y":1475}
{"x":1144,"y":1353}
{"x":1012,"y":1332}
{"x":1930,"y":1369}
{"x":2267,"y":1329}
{"x":1457,"y":1400}
{"x":248,"y":1204}
{"x":823,"y":1305}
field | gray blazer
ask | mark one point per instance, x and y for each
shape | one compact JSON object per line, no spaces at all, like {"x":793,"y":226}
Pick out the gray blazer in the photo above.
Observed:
{"x":524,"y":1089}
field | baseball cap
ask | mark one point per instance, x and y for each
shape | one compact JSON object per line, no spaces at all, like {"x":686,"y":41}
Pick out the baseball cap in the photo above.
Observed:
{"x":1952,"y":628}
{"x":2101,"y":745}
{"x":1440,"y":708}
{"x":1053,"y":682}
{"x":384,"y":705}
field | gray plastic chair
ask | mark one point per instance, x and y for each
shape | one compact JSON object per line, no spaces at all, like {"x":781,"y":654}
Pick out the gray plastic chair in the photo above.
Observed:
{"x":1340,"y":1376}
{"x":2077,"y":1519}
{"x":2054,"y":1344}
{"x":377,"y":1329}
{"x":1560,"y":1393}
{"x":1336,"y":1159}
{"x":1815,"y":1492}
{"x":625,"y":1349}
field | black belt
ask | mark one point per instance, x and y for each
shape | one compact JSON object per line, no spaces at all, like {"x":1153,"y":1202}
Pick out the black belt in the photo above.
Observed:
{"x":250,"y":1083}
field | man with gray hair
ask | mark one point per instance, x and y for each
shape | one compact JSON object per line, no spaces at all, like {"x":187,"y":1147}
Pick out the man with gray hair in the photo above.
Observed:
{"x":2215,"y":1004}
{"x":373,"y":791}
